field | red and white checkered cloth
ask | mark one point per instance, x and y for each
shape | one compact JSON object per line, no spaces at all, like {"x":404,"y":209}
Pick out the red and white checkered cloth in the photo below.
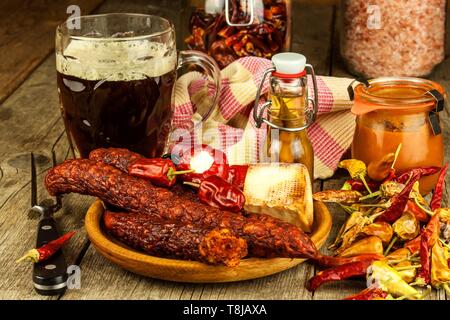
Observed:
{"x":231,"y":126}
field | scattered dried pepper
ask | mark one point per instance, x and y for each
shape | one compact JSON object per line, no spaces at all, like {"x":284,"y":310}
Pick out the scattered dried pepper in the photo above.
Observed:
{"x":436,"y":201}
{"x":428,"y":237}
{"x":370,"y":293}
{"x":389,"y":280}
{"x":399,"y":201}
{"x":338,"y":196}
{"x":328,"y":261}
{"x":406,"y":227}
{"x":369,"y":245}
{"x":379,"y":170}
{"x":382,"y":230}
{"x":414,"y":245}
{"x":413,"y":208}
{"x":358,"y":185}
{"x":390,"y":188}
{"x":444,"y":214}
{"x":406,"y":270}
{"x":404,"y":176}
{"x":357,"y":170}
{"x":349,"y":270}
{"x":350,"y":231}
{"x":47,"y":250}
{"x":440,"y":269}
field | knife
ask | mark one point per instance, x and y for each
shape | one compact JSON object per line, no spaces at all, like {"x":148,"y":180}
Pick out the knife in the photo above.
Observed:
{"x":49,"y":276}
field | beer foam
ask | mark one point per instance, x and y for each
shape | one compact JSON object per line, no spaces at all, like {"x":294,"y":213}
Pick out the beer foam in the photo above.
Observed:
{"x":116,"y":60}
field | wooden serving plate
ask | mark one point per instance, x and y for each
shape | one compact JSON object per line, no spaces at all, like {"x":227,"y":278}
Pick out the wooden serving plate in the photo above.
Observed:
{"x":192,"y":271}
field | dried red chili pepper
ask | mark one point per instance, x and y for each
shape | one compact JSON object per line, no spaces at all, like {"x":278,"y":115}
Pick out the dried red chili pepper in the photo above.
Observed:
{"x":413,"y":245}
{"x":160,"y":172}
{"x":47,"y":250}
{"x":391,"y":175}
{"x":421,"y":171}
{"x":399,"y":201}
{"x":420,"y":215}
{"x":349,"y":270}
{"x":358,"y":185}
{"x":219,"y":193}
{"x":329,"y":261}
{"x":205,"y":161}
{"x":428,"y":237}
{"x":370,"y":293}
{"x":237,"y":174}
{"x":439,"y":189}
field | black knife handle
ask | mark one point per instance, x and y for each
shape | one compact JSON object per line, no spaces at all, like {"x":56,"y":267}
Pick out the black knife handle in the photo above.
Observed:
{"x":49,"y":276}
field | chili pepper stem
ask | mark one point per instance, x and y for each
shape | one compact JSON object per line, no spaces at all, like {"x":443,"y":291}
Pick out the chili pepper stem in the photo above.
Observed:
{"x":444,"y":243}
{"x":397,"y":152}
{"x":407,"y":267}
{"x":365,"y":183}
{"x":446,"y":288}
{"x":377,"y":205}
{"x":391,"y":244}
{"x":172,"y":173}
{"x":373,"y":217}
{"x":32,"y":255}
{"x":371,"y":195}
{"x":421,"y":297}
{"x":347,"y":209}
{"x":422,"y":208}
{"x":192,"y":184}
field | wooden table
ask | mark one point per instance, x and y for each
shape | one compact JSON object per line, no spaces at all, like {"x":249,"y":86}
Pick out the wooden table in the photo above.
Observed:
{"x":30,"y":121}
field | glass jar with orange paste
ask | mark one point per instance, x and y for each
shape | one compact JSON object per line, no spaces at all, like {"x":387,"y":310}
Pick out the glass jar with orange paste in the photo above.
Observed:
{"x":393,"y":111}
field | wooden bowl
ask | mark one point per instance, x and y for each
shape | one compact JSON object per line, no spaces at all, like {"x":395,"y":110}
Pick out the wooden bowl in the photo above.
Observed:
{"x":192,"y":271}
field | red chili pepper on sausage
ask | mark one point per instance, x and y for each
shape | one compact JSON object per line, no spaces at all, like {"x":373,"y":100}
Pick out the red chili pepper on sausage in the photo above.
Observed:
{"x":436,"y":201}
{"x":219,"y":193}
{"x":237,"y":174}
{"x":47,"y":250}
{"x":160,"y":172}
{"x":219,"y":163}
{"x":399,"y":201}
{"x":370,"y":293}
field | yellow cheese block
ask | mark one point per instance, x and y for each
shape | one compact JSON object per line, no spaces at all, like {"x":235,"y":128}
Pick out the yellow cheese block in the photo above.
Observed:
{"x":282,"y":190}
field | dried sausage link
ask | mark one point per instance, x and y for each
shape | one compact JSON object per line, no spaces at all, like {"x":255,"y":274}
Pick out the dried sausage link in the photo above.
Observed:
{"x":266,"y":236}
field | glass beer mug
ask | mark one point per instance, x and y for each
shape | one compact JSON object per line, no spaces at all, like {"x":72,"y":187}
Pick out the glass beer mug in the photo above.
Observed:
{"x":115,"y":75}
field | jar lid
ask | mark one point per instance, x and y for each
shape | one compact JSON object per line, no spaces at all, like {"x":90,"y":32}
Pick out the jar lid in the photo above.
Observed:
{"x":396,"y":93}
{"x":289,"y":63}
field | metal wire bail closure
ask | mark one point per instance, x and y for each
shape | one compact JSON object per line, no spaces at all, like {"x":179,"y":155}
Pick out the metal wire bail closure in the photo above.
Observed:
{"x":251,"y":4}
{"x":310,"y":115}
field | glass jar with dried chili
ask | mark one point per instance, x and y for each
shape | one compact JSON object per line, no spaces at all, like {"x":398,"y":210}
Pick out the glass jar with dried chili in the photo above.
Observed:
{"x":399,"y":110}
{"x":230,"y":29}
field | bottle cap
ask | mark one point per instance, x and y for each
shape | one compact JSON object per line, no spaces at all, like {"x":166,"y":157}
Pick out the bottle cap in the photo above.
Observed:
{"x":289,"y":63}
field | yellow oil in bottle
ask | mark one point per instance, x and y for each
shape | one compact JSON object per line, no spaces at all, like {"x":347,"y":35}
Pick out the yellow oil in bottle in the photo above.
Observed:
{"x":288,"y":111}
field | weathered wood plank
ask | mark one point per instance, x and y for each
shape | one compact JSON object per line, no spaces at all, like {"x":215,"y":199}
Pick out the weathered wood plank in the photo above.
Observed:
{"x":27,"y":36}
{"x":30,"y":124}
